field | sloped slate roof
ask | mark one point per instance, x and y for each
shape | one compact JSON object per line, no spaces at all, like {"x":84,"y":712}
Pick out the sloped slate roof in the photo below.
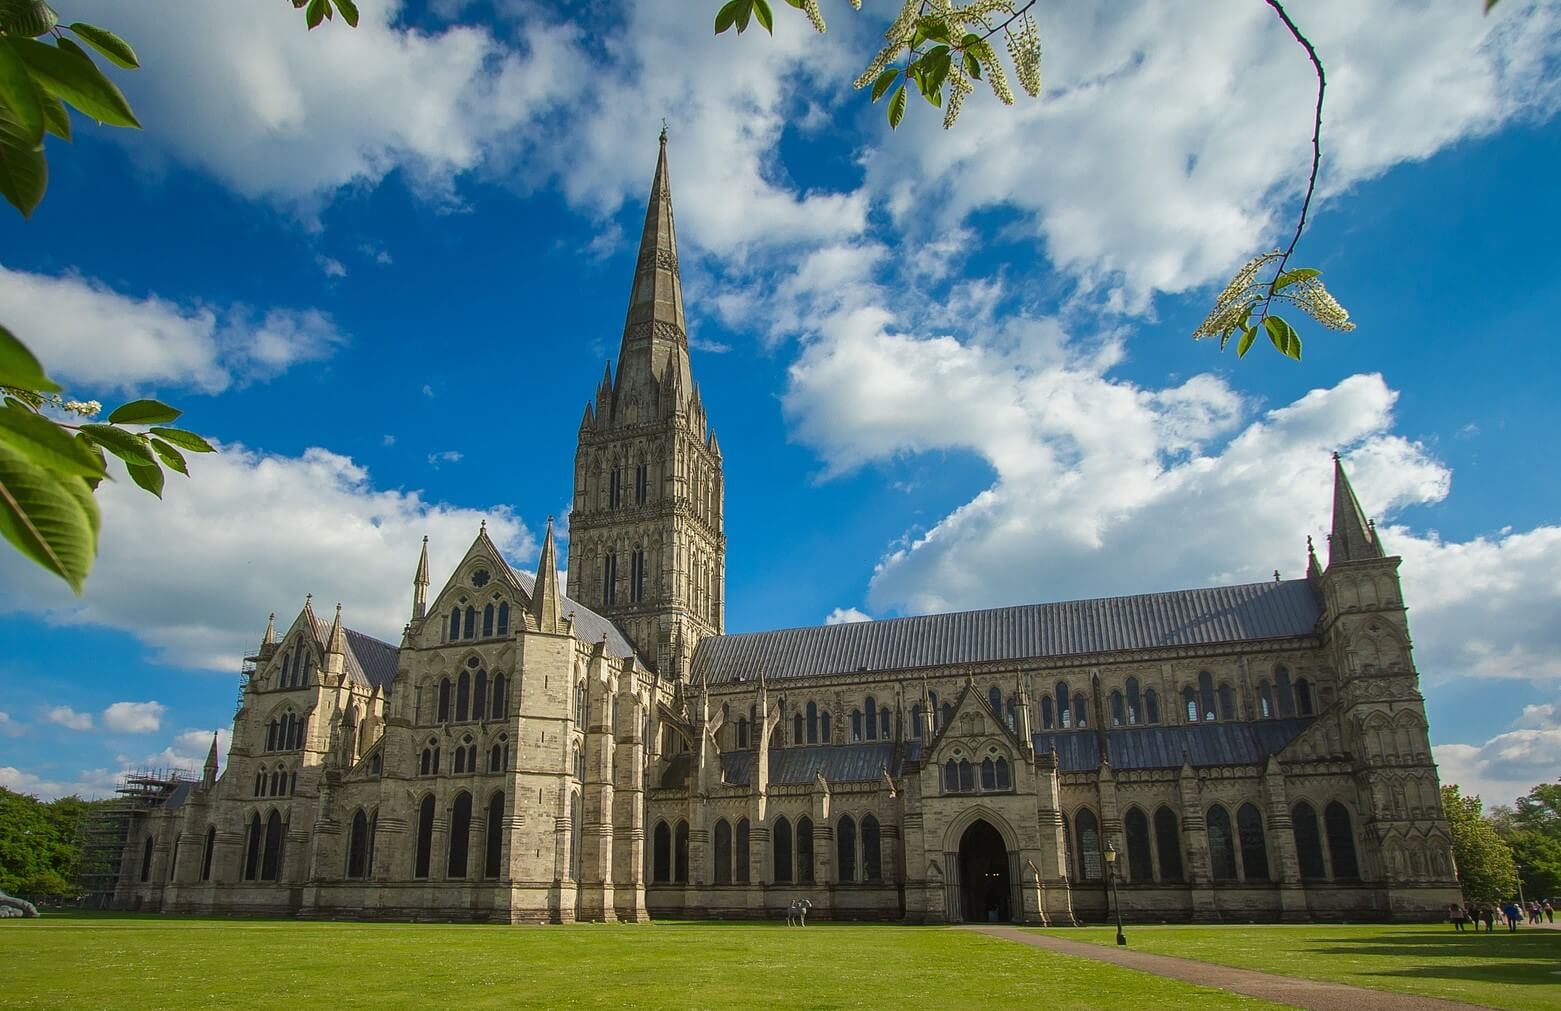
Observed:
{"x":1162,"y":747}
{"x":839,"y":763}
{"x":589,"y":625}
{"x":1180,"y":618}
{"x":370,"y":662}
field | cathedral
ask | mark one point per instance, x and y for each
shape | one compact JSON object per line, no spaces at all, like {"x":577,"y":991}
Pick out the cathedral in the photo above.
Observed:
{"x":1250,"y":752}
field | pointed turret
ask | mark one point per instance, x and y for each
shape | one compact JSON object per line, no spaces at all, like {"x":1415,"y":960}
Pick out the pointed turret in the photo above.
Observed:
{"x":209,"y":770}
{"x":420,"y":584}
{"x":268,"y":638}
{"x":336,"y":646}
{"x":655,"y":333}
{"x":1353,"y":539}
{"x":546,"y":602}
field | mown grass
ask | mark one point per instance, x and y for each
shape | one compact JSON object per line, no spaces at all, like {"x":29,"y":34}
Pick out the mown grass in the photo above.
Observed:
{"x":1518,"y":971}
{"x":163,"y":962}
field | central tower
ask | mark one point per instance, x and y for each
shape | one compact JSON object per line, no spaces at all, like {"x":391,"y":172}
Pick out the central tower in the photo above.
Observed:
{"x":647,"y":541}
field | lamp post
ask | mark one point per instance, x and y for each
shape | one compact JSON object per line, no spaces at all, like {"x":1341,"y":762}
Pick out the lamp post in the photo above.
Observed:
{"x":1116,"y":900}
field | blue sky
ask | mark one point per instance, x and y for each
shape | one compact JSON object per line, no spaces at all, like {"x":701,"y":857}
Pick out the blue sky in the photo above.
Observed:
{"x":384,"y":268}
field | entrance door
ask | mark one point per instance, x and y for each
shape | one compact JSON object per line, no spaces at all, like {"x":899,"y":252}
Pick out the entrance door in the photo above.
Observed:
{"x":983,"y":875}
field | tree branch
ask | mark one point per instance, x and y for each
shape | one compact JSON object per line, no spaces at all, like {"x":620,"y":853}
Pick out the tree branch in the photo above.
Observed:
{"x":1317,"y":153}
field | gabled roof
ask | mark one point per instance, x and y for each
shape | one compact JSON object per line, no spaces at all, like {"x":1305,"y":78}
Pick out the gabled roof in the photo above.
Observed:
{"x":1204,"y":744}
{"x":1218,"y":614}
{"x":370,"y":662}
{"x":589,"y":626}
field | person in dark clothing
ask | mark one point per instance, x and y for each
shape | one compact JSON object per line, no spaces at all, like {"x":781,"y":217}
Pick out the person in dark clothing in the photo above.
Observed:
{"x":1456,"y":916}
{"x":1488,"y":914}
{"x":1513,"y":914}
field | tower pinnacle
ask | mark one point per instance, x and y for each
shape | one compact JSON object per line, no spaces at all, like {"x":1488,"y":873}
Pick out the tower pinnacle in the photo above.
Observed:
{"x":1353,"y":539}
{"x":655,"y":333}
{"x":420,"y":584}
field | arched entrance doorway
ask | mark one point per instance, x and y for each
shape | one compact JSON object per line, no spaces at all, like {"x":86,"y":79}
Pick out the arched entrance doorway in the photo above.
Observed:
{"x":983,"y":875}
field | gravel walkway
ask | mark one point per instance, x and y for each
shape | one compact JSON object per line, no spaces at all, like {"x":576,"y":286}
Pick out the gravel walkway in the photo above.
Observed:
{"x":1301,"y":993}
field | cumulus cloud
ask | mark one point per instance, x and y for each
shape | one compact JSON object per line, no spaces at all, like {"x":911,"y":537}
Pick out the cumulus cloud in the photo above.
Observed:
{"x":89,"y":784}
{"x":134,"y":717}
{"x":276,"y":112}
{"x":68,"y":718}
{"x":1510,"y":763}
{"x":9,"y":727}
{"x":1171,"y":145}
{"x":845,"y":615}
{"x":193,"y":576}
{"x":87,"y":333}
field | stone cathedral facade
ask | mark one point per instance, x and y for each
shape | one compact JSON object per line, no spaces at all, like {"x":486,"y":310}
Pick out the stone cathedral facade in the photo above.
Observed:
{"x":1242,"y":752}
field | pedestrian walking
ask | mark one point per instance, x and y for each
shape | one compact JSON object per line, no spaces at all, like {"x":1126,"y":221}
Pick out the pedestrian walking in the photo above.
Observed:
{"x":1550,"y":912}
{"x":1512,"y":913}
{"x":1456,"y":916}
{"x":1488,"y":914}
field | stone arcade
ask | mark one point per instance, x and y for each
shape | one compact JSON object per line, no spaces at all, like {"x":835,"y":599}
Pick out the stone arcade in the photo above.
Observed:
{"x":1251,"y":752}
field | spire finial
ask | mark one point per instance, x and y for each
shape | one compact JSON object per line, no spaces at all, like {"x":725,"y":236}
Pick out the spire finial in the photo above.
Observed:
{"x":663,"y":131}
{"x":484,"y":525}
{"x":270,"y":635}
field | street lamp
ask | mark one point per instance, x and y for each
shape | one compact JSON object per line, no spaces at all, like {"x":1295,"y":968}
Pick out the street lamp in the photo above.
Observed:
{"x":1116,"y":900}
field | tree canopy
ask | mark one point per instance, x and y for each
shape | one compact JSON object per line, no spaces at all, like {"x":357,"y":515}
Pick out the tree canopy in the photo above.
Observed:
{"x":1532,"y":829}
{"x":1485,"y":868}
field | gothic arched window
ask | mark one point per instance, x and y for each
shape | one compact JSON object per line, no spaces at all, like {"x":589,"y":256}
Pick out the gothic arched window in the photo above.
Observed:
{"x":856,"y":725}
{"x":796,"y":728}
{"x":780,"y":844}
{"x":207,"y":851}
{"x":680,"y":853}
{"x":1303,"y":696}
{"x":883,"y":722}
{"x":988,"y":775}
{"x":872,"y":852}
{"x":1168,"y":844}
{"x":460,"y":835}
{"x":1140,"y":865}
{"x":845,"y":848}
{"x":480,"y":696}
{"x":487,"y":621}
{"x":1308,"y":842}
{"x":500,"y":696}
{"x":661,"y":858}
{"x":823,"y":723}
{"x":1254,"y":850}
{"x":1152,"y":706}
{"x":494,"y":850}
{"x":742,"y":732}
{"x":469,"y":625}
{"x":503,"y":620}
{"x":1222,"y":850}
{"x":443,"y":715}
{"x":455,"y":623}
{"x":740,"y":860}
{"x":916,"y":721}
{"x":463,"y":697}
{"x":146,"y":860}
{"x":1284,"y":692}
{"x":967,"y":776}
{"x":1205,"y":695}
{"x":1227,"y":702}
{"x":1004,"y":781}
{"x":812,"y":722}
{"x":1341,"y":842}
{"x":1190,"y":703}
{"x":252,"y":848}
{"x":423,"y":854}
{"x":951,"y":776}
{"x":358,"y":845}
{"x":1265,"y":701}
{"x":1134,"y":713}
{"x":1047,"y":719}
{"x":1118,"y":709}
{"x":1088,"y":833}
{"x":805,"y":850}
{"x":723,"y":852}
{"x":1064,"y":715}
{"x":1080,"y":711}
{"x":994,"y":698}
{"x":271,"y":858}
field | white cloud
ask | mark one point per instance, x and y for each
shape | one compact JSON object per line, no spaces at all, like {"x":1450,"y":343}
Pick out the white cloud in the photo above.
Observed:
{"x":428,"y":391}
{"x":331,"y":267}
{"x":445,"y":456}
{"x":134,"y":717}
{"x":389,"y":440}
{"x":188,"y":751}
{"x":90,"y":784}
{"x":87,"y":333}
{"x":275,"y":111}
{"x":67,"y":717}
{"x":1171,"y":145}
{"x":845,"y":615}
{"x":1510,"y":763}
{"x":193,"y":576}
{"x":9,"y":727}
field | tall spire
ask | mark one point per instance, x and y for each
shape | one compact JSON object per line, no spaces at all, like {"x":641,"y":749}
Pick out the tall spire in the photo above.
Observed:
{"x":420,"y":584}
{"x":546,"y":602}
{"x":209,"y":771}
{"x":336,"y":642}
{"x":655,"y":333}
{"x":1353,"y":539}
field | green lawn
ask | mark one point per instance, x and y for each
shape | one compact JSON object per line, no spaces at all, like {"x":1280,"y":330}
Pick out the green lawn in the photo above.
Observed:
{"x":1521,"y":971}
{"x":156,"y":962}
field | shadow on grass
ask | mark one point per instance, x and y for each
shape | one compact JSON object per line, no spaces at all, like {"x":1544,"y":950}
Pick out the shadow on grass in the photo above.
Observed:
{"x":1521,"y":959}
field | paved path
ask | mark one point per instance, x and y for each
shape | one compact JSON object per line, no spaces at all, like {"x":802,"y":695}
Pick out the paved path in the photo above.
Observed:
{"x":1301,"y":993}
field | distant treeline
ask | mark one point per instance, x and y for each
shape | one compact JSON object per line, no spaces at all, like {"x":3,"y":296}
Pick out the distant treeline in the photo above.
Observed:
{"x":39,"y":845}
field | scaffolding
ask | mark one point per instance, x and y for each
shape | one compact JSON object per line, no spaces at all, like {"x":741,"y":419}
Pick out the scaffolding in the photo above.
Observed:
{"x":245,"y":672}
{"x":104,"y":830}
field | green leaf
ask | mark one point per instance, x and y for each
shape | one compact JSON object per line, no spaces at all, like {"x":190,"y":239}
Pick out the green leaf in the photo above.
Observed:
{"x":46,"y":443}
{"x":1284,"y":336}
{"x":171,"y":457}
{"x":19,"y":368}
{"x":727,"y":15}
{"x":148,"y":475}
{"x":19,"y":95}
{"x":49,"y":517}
{"x":349,"y":12}
{"x":973,"y":66}
{"x":106,"y":42}
{"x":884,"y":82}
{"x":144,"y":412}
{"x":743,"y":14}
{"x":316,"y":13}
{"x":897,"y":107}
{"x":1289,"y":277}
{"x":56,"y":119}
{"x":125,"y":445}
{"x":98,"y":455}
{"x":185,"y":440}
{"x":762,"y":14}
{"x":27,"y":18}
{"x":66,"y":72}
{"x":24,"y":170}
{"x":1245,"y":344}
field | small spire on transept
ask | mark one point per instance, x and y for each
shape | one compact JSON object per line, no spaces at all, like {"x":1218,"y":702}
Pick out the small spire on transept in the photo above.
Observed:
{"x":420,"y":584}
{"x":336,"y":642}
{"x":546,"y":600}
{"x":209,"y":771}
{"x":269,"y":637}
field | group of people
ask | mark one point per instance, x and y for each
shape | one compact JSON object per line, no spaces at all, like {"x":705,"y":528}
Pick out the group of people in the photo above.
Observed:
{"x":1511,"y":911}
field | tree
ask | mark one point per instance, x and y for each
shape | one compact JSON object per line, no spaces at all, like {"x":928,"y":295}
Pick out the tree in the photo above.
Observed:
{"x":1532,"y":829}
{"x":1485,"y":868}
{"x":39,"y":849}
